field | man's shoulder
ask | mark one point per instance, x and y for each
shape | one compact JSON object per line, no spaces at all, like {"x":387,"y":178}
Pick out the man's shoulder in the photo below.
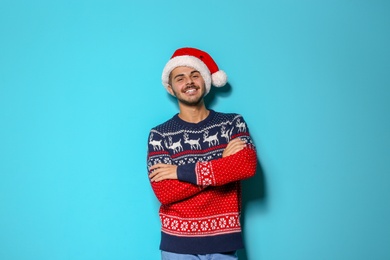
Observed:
{"x":165,"y":126}
{"x":227,"y":116}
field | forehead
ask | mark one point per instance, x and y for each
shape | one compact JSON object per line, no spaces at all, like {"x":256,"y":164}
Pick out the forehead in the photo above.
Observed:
{"x":182,"y":70}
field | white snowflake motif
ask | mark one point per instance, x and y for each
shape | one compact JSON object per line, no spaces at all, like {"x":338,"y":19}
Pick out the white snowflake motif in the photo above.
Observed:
{"x":166,"y":222}
{"x":167,"y":161}
{"x":181,"y":162}
{"x":232,"y":221}
{"x":204,"y":226}
{"x":194,"y":226}
{"x":205,"y":171}
{"x":213,"y":224}
{"x":157,"y":161}
{"x":222,"y":223}
{"x":191,"y":160}
{"x":206,"y":182}
{"x":175,"y":224}
{"x":184,"y":226}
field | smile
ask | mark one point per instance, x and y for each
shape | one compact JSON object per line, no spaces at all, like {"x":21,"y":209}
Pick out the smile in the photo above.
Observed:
{"x":190,"y":90}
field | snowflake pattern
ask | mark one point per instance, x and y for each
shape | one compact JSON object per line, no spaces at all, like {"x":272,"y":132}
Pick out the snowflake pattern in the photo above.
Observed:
{"x":222,"y":222}
{"x":212,"y":225}
{"x":175,"y":224}
{"x":181,"y":162}
{"x":204,"y":171}
{"x":184,"y":226}
{"x":194,"y":226}
{"x":204,"y":174}
{"x":232,"y":221}
{"x":166,"y":222}
{"x":204,"y":226}
{"x":206,"y":182}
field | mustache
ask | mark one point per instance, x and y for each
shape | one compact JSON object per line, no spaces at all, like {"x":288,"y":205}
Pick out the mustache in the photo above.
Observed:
{"x":191,"y":86}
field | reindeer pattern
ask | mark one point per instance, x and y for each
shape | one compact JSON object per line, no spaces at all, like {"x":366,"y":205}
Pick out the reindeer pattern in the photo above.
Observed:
{"x":155,"y":143}
{"x":174,"y":146}
{"x":241,"y":126}
{"x":194,"y":143}
{"x":191,"y":145}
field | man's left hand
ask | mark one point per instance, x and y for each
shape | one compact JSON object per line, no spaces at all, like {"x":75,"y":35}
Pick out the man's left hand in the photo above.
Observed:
{"x":162,"y":171}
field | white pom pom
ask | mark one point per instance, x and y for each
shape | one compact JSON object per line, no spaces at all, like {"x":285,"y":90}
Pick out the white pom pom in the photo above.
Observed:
{"x":219,"y":78}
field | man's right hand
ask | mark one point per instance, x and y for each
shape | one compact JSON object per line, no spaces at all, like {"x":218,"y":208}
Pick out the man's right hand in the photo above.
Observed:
{"x":233,"y":147}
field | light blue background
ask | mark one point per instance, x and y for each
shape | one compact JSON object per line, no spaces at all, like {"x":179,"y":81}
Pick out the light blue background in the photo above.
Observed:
{"x":80,"y":88}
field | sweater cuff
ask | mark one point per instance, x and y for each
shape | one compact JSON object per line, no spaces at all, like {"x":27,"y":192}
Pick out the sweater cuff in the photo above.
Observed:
{"x":186,"y":173}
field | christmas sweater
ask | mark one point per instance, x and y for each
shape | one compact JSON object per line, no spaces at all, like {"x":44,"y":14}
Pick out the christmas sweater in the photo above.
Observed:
{"x":200,"y":211}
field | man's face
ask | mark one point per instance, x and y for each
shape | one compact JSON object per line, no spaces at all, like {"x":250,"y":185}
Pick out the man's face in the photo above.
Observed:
{"x":187,"y":85}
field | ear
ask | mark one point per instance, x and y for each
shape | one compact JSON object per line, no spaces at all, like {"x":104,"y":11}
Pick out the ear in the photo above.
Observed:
{"x":170,"y":90}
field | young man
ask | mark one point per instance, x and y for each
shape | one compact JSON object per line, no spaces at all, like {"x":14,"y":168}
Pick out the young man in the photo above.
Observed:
{"x":196,"y":161}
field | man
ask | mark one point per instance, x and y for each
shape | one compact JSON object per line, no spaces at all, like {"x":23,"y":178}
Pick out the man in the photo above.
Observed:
{"x":196,"y":161}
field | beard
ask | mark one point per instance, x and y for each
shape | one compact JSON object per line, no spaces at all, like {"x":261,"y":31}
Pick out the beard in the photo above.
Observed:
{"x":190,"y":102}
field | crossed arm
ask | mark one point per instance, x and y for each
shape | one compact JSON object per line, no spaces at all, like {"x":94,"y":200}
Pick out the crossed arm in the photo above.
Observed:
{"x":162,"y":171}
{"x":238,"y":162}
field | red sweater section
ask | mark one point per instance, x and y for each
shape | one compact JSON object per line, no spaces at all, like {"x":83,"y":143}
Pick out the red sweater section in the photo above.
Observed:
{"x":215,"y":208}
{"x":239,"y":166}
{"x":171,"y":191}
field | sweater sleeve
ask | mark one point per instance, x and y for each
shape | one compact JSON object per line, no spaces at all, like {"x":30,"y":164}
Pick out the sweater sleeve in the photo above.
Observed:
{"x":167,"y":191}
{"x":171,"y":191}
{"x":239,"y":166}
{"x":219,"y":171}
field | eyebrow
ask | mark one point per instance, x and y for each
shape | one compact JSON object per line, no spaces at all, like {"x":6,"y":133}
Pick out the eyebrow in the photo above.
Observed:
{"x":192,"y":72}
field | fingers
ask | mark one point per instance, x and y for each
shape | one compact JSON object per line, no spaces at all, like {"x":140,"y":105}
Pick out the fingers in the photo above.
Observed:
{"x":237,"y":143}
{"x":233,"y":147}
{"x":159,"y":176}
{"x":160,"y":171}
{"x":156,"y":169}
{"x":156,"y":166}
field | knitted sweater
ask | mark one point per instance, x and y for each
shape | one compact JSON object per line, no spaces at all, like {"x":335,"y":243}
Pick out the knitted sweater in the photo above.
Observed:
{"x":200,"y":211}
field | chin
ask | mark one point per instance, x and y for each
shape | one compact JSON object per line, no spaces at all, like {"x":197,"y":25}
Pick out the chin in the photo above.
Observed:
{"x":191,"y":102}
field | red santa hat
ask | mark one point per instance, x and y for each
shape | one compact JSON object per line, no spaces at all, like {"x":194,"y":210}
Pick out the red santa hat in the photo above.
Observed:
{"x":199,"y":60}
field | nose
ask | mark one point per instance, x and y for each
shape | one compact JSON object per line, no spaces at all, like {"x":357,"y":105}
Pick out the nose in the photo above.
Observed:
{"x":189,"y":80}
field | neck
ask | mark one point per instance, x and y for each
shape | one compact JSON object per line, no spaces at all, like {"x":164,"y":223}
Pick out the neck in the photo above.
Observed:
{"x":193,"y":114}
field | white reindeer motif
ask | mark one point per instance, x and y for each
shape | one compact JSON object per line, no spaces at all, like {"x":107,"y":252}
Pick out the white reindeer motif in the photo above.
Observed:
{"x":156,"y":144}
{"x":241,"y":126}
{"x":175,"y":147}
{"x":227,"y":134}
{"x":212,"y":140}
{"x":192,"y":142}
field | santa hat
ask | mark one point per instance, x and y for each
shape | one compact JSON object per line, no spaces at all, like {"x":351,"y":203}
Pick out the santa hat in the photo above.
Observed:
{"x":199,"y":60}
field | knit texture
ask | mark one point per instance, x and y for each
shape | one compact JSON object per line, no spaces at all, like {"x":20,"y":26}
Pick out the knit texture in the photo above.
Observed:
{"x":200,"y":212}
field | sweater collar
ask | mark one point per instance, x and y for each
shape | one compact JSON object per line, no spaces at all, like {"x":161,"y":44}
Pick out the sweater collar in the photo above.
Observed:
{"x":178,"y":120}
